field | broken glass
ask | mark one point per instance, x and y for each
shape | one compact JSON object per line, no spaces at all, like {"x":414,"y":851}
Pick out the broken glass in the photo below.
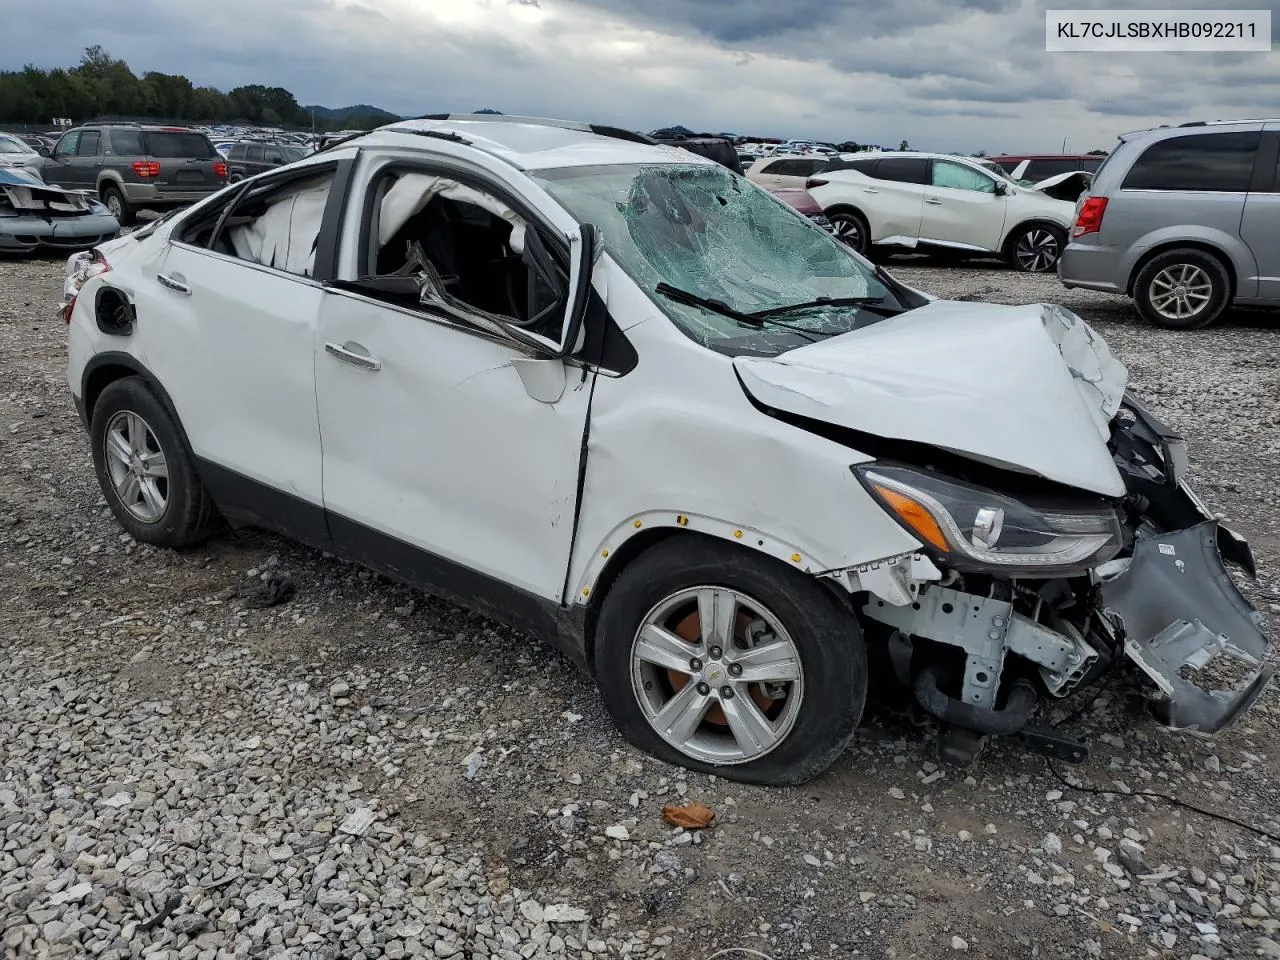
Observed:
{"x":700,"y":229}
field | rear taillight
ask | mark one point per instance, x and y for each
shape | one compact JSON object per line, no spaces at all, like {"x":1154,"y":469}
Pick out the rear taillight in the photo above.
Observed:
{"x":146,"y":168}
{"x":1089,"y":219}
{"x":811,"y":183}
{"x":81,"y":268}
{"x":219,"y":169}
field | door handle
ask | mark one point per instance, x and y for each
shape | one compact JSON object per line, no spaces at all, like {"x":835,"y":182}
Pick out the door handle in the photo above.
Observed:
{"x":933,"y":201}
{"x":354,"y":354}
{"x":176,"y":282}
{"x":869,"y":190}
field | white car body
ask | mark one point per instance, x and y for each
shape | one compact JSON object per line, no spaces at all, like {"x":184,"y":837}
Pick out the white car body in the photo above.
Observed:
{"x":526,"y":469}
{"x":785,"y":170}
{"x":955,"y":203}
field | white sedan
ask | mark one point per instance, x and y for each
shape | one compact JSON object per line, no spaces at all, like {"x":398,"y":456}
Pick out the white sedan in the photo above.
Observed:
{"x":932,"y":201}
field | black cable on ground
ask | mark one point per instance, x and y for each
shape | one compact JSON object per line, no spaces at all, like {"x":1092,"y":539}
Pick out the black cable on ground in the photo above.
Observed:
{"x":1174,"y":801}
{"x":1112,"y":673}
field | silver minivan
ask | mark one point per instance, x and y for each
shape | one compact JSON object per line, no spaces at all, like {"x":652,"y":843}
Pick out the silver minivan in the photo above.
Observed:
{"x":1185,"y":220}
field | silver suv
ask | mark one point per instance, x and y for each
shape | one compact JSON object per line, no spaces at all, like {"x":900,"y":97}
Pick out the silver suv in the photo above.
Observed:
{"x":1184,"y":220}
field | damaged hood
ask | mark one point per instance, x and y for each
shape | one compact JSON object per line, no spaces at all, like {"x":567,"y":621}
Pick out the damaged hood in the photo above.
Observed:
{"x":1030,"y":388}
{"x":24,"y":192}
{"x":1064,"y":186}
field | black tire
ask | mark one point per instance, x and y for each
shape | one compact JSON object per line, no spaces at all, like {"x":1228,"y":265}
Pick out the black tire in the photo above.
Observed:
{"x":825,"y":634}
{"x":114,"y":200}
{"x":189,"y":513}
{"x":1035,"y":247}
{"x":850,"y":227}
{"x":1151,"y":282}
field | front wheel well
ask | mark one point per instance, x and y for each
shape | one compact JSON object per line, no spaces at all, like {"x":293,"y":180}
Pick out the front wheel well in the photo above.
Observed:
{"x":1033,"y":222}
{"x":844,"y":208}
{"x":1201,"y":246}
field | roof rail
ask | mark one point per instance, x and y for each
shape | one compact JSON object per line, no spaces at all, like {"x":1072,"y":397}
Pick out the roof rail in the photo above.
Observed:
{"x":602,"y":130}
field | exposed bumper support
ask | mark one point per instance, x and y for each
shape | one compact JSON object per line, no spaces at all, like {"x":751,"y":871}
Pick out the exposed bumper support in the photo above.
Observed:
{"x":1180,"y":612}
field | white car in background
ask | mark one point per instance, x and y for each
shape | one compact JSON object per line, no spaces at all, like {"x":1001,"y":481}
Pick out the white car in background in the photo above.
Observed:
{"x":785,"y":170}
{"x":925,"y":200}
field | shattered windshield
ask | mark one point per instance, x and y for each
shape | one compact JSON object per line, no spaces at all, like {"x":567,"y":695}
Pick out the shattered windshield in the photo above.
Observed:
{"x":715,"y":252}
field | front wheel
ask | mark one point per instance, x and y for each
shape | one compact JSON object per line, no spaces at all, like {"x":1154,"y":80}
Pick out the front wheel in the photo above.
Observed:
{"x":1036,"y":247}
{"x":727,"y":662}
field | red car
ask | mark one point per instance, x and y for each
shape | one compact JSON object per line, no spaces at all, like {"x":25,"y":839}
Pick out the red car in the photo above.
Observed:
{"x":1041,"y":166}
{"x":802,"y":202}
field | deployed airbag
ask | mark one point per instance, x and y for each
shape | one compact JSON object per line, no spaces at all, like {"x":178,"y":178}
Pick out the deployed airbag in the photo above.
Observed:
{"x":285,"y":236}
{"x":412,"y":192}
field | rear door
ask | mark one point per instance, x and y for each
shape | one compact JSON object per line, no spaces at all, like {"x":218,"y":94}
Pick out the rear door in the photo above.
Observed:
{"x":1260,"y":225}
{"x":188,"y":162}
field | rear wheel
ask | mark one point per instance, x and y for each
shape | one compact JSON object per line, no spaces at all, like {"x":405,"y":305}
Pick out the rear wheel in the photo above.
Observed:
{"x":1036,"y":247}
{"x":850,"y":228}
{"x":1182,"y":289}
{"x":144,"y":469}
{"x":727,"y":662}
{"x":113,"y":199}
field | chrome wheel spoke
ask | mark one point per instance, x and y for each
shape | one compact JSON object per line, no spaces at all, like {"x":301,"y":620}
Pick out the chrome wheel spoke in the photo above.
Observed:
{"x":750,"y":727}
{"x":130,"y":489}
{"x":717,"y":613}
{"x":680,"y":718}
{"x":773,"y":662}
{"x":154,"y":465}
{"x":151,"y":496}
{"x":119,"y":448}
{"x":663,"y":648}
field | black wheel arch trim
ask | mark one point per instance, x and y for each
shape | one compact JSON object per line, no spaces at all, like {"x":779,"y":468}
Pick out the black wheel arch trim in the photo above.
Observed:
{"x":93,"y":382}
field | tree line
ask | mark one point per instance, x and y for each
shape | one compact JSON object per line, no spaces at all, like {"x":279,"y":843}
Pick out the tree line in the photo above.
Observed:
{"x":104,"y":86}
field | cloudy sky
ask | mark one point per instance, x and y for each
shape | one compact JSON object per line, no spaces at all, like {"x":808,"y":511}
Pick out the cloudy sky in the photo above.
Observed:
{"x":942,"y":74}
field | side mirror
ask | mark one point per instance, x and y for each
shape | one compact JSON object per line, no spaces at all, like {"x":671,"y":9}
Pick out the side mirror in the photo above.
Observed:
{"x":44,"y":152}
{"x":1002,"y":189}
{"x":278,"y":163}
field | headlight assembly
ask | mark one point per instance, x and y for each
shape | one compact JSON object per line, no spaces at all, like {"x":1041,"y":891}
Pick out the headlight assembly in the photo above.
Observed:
{"x":980,"y":530}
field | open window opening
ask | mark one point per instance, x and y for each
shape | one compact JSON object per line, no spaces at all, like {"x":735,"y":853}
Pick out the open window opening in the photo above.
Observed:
{"x":274,"y":224}
{"x":439,"y":243}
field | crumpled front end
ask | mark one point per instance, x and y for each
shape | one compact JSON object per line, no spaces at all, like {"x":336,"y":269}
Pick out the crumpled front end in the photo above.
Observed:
{"x":1173,"y":602}
{"x":980,"y":648}
{"x":34,"y":215}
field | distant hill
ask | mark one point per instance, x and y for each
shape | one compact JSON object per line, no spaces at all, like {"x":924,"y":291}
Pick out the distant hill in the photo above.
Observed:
{"x":359,"y":110}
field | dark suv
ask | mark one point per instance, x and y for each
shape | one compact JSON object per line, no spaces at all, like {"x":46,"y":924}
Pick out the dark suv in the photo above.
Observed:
{"x":247,"y":158}
{"x":136,"y":166}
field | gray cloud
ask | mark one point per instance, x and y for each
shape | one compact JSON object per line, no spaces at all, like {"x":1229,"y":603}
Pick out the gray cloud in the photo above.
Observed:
{"x":971,"y":74}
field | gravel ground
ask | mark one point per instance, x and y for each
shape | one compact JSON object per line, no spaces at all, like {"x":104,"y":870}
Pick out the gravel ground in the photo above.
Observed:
{"x":368,"y":772}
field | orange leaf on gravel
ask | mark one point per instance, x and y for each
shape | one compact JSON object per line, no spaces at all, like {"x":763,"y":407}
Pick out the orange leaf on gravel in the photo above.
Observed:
{"x":691,"y":816}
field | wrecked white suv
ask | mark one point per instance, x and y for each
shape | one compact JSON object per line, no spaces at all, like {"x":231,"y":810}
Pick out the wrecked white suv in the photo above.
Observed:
{"x":620,"y":398}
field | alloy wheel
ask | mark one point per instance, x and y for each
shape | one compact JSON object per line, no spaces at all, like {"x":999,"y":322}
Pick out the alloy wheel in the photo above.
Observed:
{"x":114,"y":204}
{"x":847,"y":230}
{"x":137,"y":466}
{"x":1037,"y":250}
{"x":1180,"y":291}
{"x":717,"y":675}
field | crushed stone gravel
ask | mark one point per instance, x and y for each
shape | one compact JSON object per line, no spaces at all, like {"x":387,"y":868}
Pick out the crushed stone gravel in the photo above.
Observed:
{"x":365,"y":772}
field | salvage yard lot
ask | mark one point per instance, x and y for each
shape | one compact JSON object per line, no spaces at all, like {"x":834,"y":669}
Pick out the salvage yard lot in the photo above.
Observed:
{"x":179,"y":764}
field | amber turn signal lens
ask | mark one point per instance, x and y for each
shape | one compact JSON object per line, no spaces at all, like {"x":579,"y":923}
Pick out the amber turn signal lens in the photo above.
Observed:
{"x":914,"y":516}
